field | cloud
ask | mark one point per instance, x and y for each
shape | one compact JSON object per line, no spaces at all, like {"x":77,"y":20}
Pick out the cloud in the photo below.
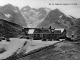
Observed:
{"x":73,"y":11}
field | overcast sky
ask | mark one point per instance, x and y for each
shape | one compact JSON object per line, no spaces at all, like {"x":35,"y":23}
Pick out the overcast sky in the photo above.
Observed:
{"x":70,"y":9}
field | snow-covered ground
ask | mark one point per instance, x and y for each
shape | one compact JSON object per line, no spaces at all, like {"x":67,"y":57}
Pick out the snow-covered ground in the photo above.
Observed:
{"x":17,"y":43}
{"x":34,"y":44}
{"x":11,"y":47}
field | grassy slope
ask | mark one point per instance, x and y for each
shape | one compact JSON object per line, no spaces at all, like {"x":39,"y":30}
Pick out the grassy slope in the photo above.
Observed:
{"x":58,"y":51}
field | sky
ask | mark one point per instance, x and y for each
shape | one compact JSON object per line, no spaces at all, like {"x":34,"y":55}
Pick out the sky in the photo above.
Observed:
{"x":72,"y":7}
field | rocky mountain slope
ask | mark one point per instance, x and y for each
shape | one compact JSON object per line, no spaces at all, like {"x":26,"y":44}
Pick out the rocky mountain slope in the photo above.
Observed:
{"x":34,"y":16}
{"x":57,"y":19}
{"x":13,"y":14}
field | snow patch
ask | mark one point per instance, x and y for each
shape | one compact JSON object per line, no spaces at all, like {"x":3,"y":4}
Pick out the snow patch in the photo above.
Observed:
{"x":12,"y":47}
{"x":47,"y":10}
{"x":24,"y":9}
{"x":7,"y":15}
{"x":60,"y":16}
{"x":15,"y":11}
{"x":60,"y":29}
{"x":35,"y":44}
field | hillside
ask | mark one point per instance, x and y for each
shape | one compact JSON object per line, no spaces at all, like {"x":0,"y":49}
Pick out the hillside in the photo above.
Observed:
{"x":8,"y":29}
{"x":58,"y":51}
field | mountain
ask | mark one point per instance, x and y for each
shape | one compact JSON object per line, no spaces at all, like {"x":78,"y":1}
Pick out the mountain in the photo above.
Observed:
{"x":55,"y":17}
{"x":77,"y":28}
{"x":9,"y":29}
{"x":12,"y":14}
{"x":34,"y":16}
{"x":58,"y":19}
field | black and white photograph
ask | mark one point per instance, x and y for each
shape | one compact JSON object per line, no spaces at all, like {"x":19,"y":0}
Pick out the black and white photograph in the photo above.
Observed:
{"x":39,"y":29}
